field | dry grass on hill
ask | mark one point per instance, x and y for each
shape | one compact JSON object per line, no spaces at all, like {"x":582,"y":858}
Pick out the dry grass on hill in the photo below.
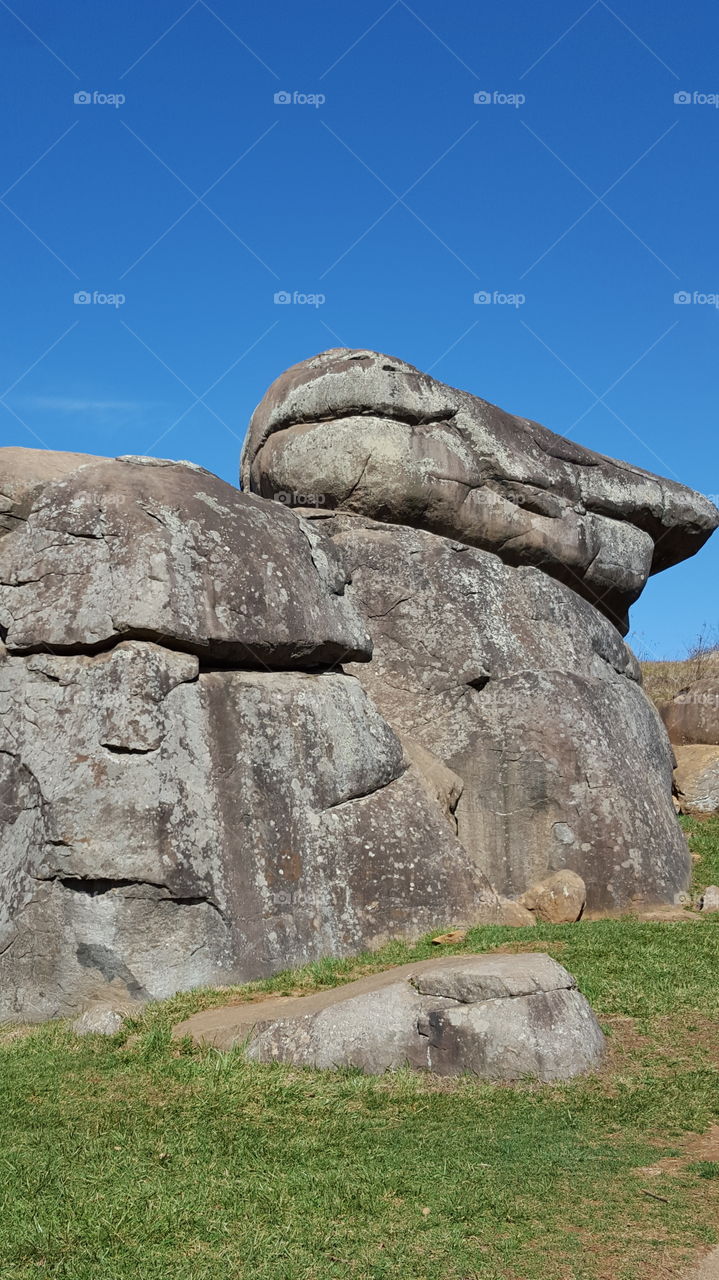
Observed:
{"x":663,"y":680}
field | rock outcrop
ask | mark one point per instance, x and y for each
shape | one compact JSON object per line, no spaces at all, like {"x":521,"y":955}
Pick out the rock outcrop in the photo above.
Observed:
{"x":236,"y":736}
{"x":500,"y":1017}
{"x":375,"y":436}
{"x":175,"y":809}
{"x":494,"y":563}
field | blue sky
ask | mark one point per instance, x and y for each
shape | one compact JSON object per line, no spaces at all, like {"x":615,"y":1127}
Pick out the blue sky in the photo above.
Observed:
{"x":396,"y":199}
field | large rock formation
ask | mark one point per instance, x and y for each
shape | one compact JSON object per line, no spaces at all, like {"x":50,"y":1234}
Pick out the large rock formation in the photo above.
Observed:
{"x":235,"y":738}
{"x":174,"y":809}
{"x":494,"y":562}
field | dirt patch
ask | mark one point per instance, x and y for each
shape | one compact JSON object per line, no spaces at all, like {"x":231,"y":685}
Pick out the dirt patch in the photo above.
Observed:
{"x":519,"y":948}
{"x":696,"y":1148}
{"x":10,"y":1034}
{"x":667,"y":1046}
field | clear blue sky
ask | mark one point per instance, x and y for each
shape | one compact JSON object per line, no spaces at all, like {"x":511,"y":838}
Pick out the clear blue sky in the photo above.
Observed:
{"x":397,"y":198}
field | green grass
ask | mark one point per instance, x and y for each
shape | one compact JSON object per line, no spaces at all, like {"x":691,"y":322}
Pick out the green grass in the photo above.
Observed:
{"x":154,"y":1160}
{"x":703,"y":837}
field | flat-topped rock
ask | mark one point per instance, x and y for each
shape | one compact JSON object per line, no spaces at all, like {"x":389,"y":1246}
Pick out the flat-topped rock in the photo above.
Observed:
{"x":371,"y":434}
{"x":166,"y":551}
{"x":501,"y":1017}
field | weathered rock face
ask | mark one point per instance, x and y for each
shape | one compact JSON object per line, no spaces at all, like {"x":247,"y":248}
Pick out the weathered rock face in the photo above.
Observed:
{"x":484,"y":551}
{"x":23,"y":475}
{"x":168,"y":552}
{"x":500,"y":1017}
{"x":175,"y":814}
{"x":532,"y":699}
{"x":372,"y":435}
{"x":167,"y":827}
{"x":697,"y":778}
{"x":692,"y":717}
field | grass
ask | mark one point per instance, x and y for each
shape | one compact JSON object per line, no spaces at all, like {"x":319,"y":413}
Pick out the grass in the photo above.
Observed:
{"x":663,"y":680}
{"x":703,"y":837}
{"x":140,"y":1158}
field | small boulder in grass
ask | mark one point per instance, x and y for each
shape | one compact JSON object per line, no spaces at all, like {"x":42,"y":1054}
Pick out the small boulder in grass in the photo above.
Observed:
{"x":103,"y":1019}
{"x":557,"y":899}
{"x":515,"y":915}
{"x":710,"y":898}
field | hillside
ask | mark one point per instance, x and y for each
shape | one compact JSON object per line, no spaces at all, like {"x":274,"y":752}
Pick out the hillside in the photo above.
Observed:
{"x":663,"y":680}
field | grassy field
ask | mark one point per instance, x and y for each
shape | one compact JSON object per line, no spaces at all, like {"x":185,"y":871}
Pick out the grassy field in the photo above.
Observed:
{"x":137,"y":1158}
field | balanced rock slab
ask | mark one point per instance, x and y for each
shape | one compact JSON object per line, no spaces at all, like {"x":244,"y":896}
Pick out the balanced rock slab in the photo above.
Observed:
{"x":500,"y":1017}
{"x":371,"y":434}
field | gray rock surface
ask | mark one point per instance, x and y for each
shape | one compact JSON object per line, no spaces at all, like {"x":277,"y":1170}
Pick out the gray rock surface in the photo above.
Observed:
{"x":531,"y":698}
{"x":692,"y":717}
{"x":163,"y":826}
{"x":499,"y":1017}
{"x":710,"y":898}
{"x":168,"y":552}
{"x":697,"y":778}
{"x":24,"y":473}
{"x":371,"y":434}
{"x":100,"y":1020}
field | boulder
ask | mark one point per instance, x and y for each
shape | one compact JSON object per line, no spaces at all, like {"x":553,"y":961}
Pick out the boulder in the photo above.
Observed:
{"x":104,"y":1019}
{"x":692,"y":716}
{"x":558,"y":899}
{"x":515,"y":915}
{"x":710,"y":898}
{"x":168,"y":552}
{"x":533,"y":701}
{"x":500,"y":1017}
{"x":371,"y":434}
{"x":696,"y":778}
{"x":165,"y":826}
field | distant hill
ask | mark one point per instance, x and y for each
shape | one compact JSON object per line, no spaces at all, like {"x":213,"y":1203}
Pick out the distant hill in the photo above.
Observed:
{"x":663,"y":680}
